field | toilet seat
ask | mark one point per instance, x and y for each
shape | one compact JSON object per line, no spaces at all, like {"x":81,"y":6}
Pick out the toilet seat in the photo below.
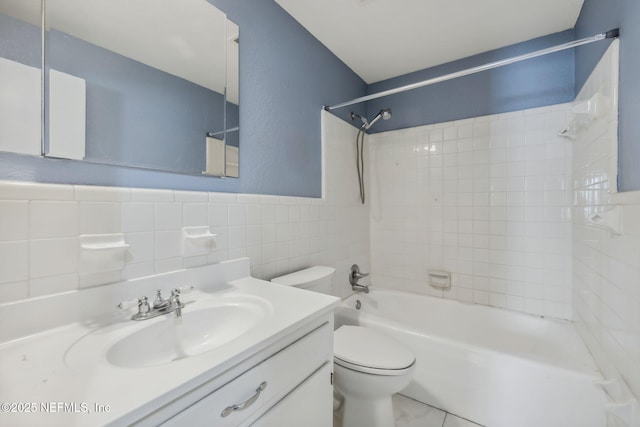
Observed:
{"x":368,"y":351}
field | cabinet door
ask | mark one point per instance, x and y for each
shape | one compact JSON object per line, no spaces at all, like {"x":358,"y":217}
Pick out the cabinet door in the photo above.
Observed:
{"x":309,"y":405}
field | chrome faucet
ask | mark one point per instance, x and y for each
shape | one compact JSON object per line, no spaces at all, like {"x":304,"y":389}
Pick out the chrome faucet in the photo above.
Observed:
{"x":160,"y":305}
{"x":354,"y":276}
{"x":174,"y":301}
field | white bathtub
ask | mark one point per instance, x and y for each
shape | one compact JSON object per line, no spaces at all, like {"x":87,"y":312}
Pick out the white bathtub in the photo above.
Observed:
{"x":495,"y":367}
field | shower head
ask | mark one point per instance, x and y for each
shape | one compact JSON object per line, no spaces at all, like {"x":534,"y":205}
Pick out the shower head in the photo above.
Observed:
{"x":385,"y":114}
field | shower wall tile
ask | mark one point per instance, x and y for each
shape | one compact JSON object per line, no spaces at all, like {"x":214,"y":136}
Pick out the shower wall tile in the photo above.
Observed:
{"x":606,"y":267}
{"x":487,"y":199}
{"x":40,"y":225}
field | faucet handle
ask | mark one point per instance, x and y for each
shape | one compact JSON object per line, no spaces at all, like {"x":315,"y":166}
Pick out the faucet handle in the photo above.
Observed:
{"x":127,"y":304}
{"x":144,"y":310}
{"x":143,"y":305}
{"x":185,"y":289}
{"x":355,"y":275}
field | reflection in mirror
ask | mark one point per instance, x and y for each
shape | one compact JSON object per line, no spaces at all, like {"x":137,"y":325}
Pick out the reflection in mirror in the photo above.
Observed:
{"x":135,"y":82}
{"x":216,"y":155}
{"x":20,"y":76}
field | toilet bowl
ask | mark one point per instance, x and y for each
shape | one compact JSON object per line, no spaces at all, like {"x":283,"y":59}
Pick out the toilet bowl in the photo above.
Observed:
{"x":369,"y":367}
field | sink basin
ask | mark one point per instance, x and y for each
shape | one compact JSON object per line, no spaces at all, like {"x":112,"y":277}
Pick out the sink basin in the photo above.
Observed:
{"x":202,"y":327}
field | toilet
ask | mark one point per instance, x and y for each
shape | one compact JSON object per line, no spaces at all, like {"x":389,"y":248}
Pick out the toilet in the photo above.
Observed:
{"x":369,"y":367}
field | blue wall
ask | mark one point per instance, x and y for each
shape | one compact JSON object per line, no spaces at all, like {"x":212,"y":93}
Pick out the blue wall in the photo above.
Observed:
{"x":533,"y":83}
{"x":598,"y":16}
{"x":286,"y":75}
{"x":138,"y":115}
{"x":28,"y":50}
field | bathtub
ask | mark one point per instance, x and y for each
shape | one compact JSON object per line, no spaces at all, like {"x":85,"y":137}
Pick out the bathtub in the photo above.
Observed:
{"x":495,"y":367}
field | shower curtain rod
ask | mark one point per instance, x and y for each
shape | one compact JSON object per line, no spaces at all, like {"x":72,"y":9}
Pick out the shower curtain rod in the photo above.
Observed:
{"x":598,"y":37}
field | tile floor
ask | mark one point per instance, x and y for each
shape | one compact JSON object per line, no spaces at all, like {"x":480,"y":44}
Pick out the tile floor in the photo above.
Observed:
{"x":411,"y":413}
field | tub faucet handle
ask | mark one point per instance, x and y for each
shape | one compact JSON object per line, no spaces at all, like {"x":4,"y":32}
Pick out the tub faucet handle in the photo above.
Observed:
{"x":360,"y":275}
{"x":354,"y":276}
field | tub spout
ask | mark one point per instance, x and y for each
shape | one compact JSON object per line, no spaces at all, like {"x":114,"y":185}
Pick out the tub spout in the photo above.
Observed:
{"x":360,"y":288}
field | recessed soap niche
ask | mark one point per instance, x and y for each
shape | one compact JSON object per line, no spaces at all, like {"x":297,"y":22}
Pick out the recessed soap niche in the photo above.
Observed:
{"x":440,"y":279}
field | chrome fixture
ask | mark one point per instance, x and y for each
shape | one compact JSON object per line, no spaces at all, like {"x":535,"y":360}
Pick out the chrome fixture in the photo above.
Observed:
{"x":160,"y":305}
{"x":354,"y":276}
{"x":384,"y":114}
{"x":612,"y":34}
{"x":244,"y":405}
{"x":176,"y":305}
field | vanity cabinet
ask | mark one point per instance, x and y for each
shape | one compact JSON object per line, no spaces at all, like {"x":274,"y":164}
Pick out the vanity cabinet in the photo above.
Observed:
{"x":288,"y":388}
{"x":276,"y":371}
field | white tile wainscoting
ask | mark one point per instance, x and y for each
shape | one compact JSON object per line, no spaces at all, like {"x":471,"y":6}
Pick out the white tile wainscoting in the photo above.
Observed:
{"x":40,"y":225}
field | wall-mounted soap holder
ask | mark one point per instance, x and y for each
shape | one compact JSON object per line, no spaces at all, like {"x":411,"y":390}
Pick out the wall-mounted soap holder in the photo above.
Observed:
{"x":622,"y":403}
{"x":102,"y":252}
{"x":584,"y":112}
{"x":197,"y":241}
{"x":440,"y":278}
{"x":610,"y":220}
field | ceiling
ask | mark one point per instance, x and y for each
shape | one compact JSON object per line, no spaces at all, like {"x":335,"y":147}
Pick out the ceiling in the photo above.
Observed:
{"x":380,"y":39}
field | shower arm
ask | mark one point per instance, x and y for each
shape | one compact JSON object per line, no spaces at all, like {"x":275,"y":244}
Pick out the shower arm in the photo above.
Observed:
{"x":375,"y":119}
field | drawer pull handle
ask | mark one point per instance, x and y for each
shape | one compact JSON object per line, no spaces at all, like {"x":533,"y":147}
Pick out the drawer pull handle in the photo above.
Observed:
{"x":244,"y":405}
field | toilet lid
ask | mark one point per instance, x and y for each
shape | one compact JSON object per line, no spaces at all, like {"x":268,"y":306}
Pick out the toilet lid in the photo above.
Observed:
{"x":365,"y":347}
{"x":305,"y":278}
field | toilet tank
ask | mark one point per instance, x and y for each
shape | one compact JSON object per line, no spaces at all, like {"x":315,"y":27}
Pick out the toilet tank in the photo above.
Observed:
{"x":317,"y":279}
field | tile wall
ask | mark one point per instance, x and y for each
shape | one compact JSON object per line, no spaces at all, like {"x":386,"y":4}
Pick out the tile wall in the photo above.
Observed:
{"x":606,"y":267}
{"x":487,"y":199}
{"x":40,"y":225}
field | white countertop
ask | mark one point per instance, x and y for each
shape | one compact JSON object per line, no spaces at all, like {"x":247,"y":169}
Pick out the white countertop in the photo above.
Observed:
{"x":42,"y":374}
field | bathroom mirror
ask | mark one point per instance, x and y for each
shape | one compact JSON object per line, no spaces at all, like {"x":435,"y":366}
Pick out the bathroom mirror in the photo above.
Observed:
{"x":20,"y":76}
{"x":138,"y":83}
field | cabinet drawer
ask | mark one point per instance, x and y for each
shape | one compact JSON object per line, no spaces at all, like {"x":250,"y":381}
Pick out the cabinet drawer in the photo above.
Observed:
{"x":309,"y":405}
{"x":278,"y":374}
